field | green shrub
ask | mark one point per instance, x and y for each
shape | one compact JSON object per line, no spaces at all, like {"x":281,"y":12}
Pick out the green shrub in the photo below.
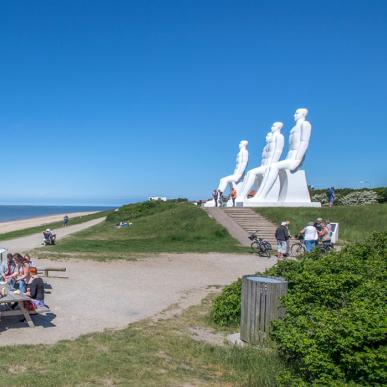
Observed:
{"x":334,"y":331}
{"x":226,"y":308}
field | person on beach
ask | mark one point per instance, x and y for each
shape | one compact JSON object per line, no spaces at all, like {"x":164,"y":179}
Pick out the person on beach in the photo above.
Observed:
{"x":35,"y":289}
{"x":65,"y":221}
{"x":282,"y":235}
{"x":233,"y":196}
{"x":310,"y":236}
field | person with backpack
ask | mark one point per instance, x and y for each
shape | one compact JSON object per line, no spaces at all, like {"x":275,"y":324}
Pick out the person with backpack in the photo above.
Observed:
{"x":215,"y":197}
{"x":282,"y":236}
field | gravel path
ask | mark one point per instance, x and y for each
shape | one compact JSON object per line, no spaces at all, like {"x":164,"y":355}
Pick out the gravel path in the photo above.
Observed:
{"x":100,"y":295}
{"x":33,"y":241}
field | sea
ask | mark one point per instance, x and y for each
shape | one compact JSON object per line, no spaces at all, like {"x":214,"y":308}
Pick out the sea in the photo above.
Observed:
{"x":19,"y":212}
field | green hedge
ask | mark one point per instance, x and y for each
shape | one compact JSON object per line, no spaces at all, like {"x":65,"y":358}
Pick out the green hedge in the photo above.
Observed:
{"x":334,"y":331}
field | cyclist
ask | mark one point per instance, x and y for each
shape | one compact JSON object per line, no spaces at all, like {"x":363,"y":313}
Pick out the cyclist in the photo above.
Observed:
{"x":310,"y":236}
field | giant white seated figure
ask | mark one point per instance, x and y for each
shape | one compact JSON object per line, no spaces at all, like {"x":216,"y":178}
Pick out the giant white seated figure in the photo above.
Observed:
{"x":241,"y":164}
{"x":292,"y":182}
{"x":271,"y":153}
{"x":237,"y":176}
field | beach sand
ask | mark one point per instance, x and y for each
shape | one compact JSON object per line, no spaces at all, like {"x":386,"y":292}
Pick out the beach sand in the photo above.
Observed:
{"x":33,"y":222}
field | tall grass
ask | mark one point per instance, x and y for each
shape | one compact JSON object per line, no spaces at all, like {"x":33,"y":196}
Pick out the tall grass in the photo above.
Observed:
{"x":156,"y":227}
{"x":356,"y":223}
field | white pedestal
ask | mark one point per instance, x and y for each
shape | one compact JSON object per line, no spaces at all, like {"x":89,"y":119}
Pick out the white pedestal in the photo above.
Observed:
{"x":289,"y":190}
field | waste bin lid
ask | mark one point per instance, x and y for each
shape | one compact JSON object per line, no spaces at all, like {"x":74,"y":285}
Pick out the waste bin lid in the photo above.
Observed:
{"x":269,"y":280}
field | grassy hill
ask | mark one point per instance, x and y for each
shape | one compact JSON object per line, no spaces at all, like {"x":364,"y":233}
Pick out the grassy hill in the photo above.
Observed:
{"x":156,"y":227}
{"x":356,"y":223}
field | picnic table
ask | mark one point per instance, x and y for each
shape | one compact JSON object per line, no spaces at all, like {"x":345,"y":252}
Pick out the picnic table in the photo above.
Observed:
{"x":12,"y":298}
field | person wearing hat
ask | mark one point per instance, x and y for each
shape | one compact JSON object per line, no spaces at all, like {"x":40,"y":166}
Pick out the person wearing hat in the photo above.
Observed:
{"x":310,"y":236}
{"x":282,"y":235}
{"x":317,"y":224}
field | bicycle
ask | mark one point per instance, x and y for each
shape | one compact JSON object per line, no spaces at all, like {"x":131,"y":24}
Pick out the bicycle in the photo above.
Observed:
{"x":298,"y":248}
{"x":260,"y":246}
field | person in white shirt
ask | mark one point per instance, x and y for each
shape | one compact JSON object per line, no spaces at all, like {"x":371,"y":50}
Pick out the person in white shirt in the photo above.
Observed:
{"x":310,"y":236}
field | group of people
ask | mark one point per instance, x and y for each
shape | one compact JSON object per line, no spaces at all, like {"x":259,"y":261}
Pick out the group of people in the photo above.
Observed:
{"x":218,"y":197}
{"x":20,"y":273}
{"x":320,"y":230}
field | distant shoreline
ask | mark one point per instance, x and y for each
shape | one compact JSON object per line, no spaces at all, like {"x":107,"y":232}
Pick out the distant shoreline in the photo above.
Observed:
{"x":21,"y":224}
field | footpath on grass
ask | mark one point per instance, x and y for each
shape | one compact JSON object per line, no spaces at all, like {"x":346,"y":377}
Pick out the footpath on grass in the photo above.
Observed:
{"x":22,"y":244}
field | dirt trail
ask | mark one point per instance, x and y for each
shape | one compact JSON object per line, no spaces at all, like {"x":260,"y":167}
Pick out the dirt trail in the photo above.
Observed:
{"x":33,"y":241}
{"x":100,"y":295}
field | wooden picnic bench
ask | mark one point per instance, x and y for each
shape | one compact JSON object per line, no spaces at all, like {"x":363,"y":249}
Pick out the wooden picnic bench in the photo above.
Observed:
{"x":12,"y":298}
{"x":46,"y":270}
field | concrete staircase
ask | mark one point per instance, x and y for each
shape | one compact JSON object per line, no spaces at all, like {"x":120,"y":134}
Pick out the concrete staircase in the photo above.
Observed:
{"x":250,"y":221}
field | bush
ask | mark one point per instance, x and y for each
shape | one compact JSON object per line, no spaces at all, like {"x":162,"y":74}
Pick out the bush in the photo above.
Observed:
{"x":334,"y":329}
{"x":359,"y":198}
{"x":226,"y":308}
{"x":320,"y":197}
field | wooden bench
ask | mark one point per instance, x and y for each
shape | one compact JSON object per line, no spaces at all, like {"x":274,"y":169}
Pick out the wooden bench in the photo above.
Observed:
{"x":45,"y":270}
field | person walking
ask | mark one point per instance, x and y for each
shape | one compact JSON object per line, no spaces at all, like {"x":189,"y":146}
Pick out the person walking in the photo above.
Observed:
{"x":65,"y":221}
{"x":215,"y":197}
{"x":331,"y":196}
{"x":310,"y":236}
{"x":282,"y":235}
{"x":233,"y":196}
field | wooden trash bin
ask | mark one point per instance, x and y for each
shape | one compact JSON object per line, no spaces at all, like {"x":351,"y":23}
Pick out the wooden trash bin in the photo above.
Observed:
{"x":260,"y":305}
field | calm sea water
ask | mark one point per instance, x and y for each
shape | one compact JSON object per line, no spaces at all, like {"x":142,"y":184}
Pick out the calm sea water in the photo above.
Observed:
{"x":9,"y":213}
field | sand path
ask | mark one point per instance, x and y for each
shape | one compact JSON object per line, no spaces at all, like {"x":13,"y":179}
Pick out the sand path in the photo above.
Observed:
{"x":30,"y":242}
{"x":100,"y":295}
{"x":33,"y":222}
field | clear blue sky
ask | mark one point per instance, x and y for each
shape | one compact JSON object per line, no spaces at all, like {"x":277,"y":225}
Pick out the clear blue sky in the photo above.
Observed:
{"x":106,"y":101}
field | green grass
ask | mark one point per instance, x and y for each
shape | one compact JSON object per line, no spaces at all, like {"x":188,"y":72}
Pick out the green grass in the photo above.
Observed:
{"x":147,"y":353}
{"x":34,"y":230}
{"x":356,"y":223}
{"x":157,"y":227}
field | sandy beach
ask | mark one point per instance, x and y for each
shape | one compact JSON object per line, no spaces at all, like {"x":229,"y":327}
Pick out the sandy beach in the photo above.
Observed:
{"x":33,"y":222}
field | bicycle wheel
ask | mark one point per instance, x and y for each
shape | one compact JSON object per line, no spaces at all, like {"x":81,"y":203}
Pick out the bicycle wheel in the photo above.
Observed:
{"x":297,"y":249}
{"x":254,"y":247}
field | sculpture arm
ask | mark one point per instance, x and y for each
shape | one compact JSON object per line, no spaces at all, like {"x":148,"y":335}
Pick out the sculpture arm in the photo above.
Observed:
{"x":276,"y":152}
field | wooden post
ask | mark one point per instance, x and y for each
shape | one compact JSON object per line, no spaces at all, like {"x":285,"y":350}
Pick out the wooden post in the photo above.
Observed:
{"x":260,"y":305}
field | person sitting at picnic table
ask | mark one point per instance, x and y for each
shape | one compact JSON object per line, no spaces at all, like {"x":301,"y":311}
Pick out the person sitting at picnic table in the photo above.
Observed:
{"x":35,"y":289}
{"x":21,"y":273}
{"x":310,"y":236}
{"x":7,"y":270}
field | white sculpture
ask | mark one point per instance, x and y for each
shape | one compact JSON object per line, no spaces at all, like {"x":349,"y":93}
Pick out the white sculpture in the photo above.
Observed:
{"x":236,"y":178}
{"x":271,"y":153}
{"x":241,"y":164}
{"x":282,"y":181}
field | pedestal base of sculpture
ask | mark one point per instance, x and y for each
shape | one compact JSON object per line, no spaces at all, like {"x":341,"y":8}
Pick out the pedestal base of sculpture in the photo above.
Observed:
{"x":209,"y":203}
{"x":289,"y":190}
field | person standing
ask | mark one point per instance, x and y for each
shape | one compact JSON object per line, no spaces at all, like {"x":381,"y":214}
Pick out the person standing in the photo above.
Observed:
{"x":65,"y":221}
{"x":282,"y":235}
{"x":310,"y":236}
{"x":233,"y":196}
{"x":215,"y":197}
{"x":331,"y":196}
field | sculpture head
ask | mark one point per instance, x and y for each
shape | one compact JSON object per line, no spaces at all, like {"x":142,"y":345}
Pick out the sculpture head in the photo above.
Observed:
{"x":243,"y":144}
{"x":300,"y":114}
{"x":269,"y":136}
{"x":276,"y":127}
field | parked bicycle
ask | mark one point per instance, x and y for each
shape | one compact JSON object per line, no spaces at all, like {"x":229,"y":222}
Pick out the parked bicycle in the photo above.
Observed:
{"x":260,"y":246}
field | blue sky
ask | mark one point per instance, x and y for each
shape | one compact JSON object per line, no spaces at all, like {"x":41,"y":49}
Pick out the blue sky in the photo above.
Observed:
{"x":107,"y":101}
